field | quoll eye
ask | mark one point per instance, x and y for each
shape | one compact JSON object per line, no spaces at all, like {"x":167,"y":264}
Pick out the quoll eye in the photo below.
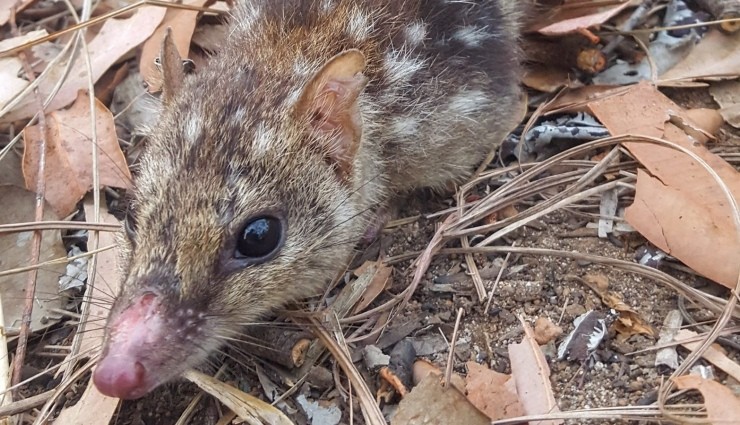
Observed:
{"x":261,"y":237}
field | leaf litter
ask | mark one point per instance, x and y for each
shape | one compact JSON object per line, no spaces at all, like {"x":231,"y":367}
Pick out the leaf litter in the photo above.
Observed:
{"x":668,"y":199}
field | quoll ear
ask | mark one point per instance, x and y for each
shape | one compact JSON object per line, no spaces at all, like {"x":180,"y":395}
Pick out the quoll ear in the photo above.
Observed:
{"x":329,"y":103}
{"x":172,"y":68}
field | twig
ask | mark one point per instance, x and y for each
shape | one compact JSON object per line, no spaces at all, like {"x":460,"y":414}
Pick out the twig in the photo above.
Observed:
{"x":451,"y":355}
{"x":40,"y":189}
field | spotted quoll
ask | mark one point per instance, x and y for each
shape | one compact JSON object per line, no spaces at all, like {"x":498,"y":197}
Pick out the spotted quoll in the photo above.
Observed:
{"x":267,"y":166}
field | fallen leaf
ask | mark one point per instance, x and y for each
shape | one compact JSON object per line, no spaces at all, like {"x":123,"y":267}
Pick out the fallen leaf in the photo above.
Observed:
{"x":423,"y":368}
{"x":678,"y":206}
{"x":548,"y":79}
{"x":248,"y":408}
{"x":380,"y":278}
{"x":182,"y":22}
{"x":587,"y":17}
{"x":107,"y":281}
{"x":432,"y":403}
{"x":492,"y":392}
{"x":532,"y":377}
{"x":716,"y":56}
{"x":5,"y":6}
{"x":93,"y":408}
{"x":18,"y":207}
{"x":68,"y":171}
{"x":727,"y":95}
{"x":709,"y":120}
{"x":723,"y":406}
{"x":11,"y":67}
{"x":629,"y":322}
{"x":105,"y":49}
{"x":713,"y":354}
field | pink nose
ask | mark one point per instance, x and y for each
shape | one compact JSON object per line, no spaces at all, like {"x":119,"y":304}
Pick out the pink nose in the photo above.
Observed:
{"x":120,"y":376}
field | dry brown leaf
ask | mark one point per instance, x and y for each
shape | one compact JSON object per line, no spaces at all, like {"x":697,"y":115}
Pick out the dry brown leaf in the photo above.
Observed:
{"x":709,"y":120}
{"x":723,"y":406}
{"x":250,"y":409}
{"x":432,"y":403}
{"x":381,"y":275}
{"x":727,"y":95}
{"x":492,"y":392}
{"x":182,"y":23}
{"x":5,"y":6}
{"x":716,"y":56}
{"x":548,"y":79}
{"x":678,"y":205}
{"x":69,"y":154}
{"x":18,"y":207}
{"x":532,"y":376}
{"x":11,"y":73}
{"x":630,"y":322}
{"x":93,"y":408}
{"x":116,"y":38}
{"x":713,"y":354}
{"x":546,"y":331}
{"x":107,"y":281}
{"x":576,"y":99}
{"x":586,"y":17}
{"x":423,"y":368}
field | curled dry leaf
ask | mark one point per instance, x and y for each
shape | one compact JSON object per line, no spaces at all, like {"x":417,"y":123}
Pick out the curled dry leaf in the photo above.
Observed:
{"x":532,"y":376}
{"x":250,"y":409}
{"x":69,"y":170}
{"x":115,"y":39}
{"x":492,"y":392}
{"x":569,"y":20}
{"x":723,"y":406}
{"x":630,"y":322}
{"x":678,"y":206}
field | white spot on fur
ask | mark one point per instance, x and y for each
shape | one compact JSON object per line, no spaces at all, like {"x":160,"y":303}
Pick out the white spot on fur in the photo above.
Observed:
{"x":359,"y":26}
{"x":415,"y":33}
{"x":468,"y":102}
{"x":193,"y":127}
{"x":400,"y":68}
{"x":327,"y":6}
{"x":263,"y":139}
{"x":240,"y":115}
{"x":471,"y":36}
{"x":301,"y":66}
{"x":405,"y":126}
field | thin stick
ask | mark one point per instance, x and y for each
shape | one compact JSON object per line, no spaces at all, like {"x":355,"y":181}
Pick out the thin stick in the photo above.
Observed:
{"x":451,"y":356}
{"x":20,"y":352}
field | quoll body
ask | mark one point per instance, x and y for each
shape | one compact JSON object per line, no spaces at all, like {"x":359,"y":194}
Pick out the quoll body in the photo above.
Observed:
{"x":266,"y":167}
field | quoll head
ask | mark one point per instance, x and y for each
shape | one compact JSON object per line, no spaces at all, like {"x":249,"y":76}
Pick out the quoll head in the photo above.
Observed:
{"x":245,"y":201}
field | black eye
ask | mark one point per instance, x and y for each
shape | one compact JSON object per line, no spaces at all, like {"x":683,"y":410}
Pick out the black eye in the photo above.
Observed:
{"x":260,"y":237}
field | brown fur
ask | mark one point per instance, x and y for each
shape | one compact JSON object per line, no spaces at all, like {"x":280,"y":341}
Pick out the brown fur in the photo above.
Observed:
{"x":231,"y":144}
